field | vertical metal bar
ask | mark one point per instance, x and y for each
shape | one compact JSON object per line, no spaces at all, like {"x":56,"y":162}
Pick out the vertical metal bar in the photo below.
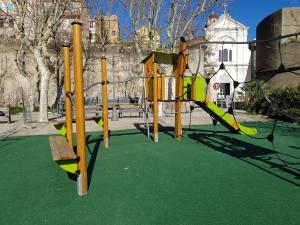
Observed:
{"x":67,"y":87}
{"x":80,"y":113}
{"x":155,"y":103}
{"x":104,"y":102}
{"x":179,"y":89}
{"x":163,"y":86}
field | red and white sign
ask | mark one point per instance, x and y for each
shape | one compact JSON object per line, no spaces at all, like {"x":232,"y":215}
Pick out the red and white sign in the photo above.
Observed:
{"x":216,"y":86}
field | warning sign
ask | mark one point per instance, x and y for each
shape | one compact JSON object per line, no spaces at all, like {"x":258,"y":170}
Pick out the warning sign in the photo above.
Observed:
{"x":216,"y":86}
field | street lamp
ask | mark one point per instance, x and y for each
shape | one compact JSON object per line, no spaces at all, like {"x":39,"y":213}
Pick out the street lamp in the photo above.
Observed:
{"x":114,"y":62}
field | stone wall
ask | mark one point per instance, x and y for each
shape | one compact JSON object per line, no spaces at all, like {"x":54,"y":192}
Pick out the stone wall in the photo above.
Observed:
{"x":120,"y":67}
{"x":268,"y":59}
{"x":13,"y":86}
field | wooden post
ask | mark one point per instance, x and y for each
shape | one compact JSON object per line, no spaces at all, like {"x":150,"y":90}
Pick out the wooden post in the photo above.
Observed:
{"x":80,"y":113}
{"x":155,"y":103}
{"x":104,"y":102}
{"x":179,"y":89}
{"x":67,"y":87}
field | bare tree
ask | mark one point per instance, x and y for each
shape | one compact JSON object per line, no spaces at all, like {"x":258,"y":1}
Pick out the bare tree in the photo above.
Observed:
{"x":143,"y":13}
{"x":37,"y":23}
{"x":180,"y":19}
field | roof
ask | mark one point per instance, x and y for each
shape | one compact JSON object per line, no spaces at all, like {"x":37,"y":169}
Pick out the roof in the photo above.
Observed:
{"x":162,"y":57}
{"x":226,"y":16}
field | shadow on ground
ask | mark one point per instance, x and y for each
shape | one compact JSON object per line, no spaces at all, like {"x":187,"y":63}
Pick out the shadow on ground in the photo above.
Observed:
{"x":260,"y":157}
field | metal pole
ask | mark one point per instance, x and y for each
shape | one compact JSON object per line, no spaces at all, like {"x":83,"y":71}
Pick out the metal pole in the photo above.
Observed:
{"x":114,"y":116}
{"x":179,"y":89}
{"x":104,"y":102}
{"x":155,"y":103}
{"x":114,"y":91}
{"x":80,"y":113}
{"x":67,"y":87}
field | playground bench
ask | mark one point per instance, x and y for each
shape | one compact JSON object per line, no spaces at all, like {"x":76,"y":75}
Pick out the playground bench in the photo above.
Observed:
{"x":60,"y":148}
{"x":4,"y":112}
{"x":129,"y":108}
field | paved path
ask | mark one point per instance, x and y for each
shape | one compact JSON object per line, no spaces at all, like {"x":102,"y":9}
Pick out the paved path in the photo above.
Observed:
{"x":17,"y":128}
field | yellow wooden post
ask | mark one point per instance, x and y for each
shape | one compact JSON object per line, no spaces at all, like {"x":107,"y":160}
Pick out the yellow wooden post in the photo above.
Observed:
{"x":67,"y":88}
{"x":194,"y":88}
{"x":155,"y":103}
{"x":179,"y":89}
{"x":148,"y":67}
{"x":80,"y":113}
{"x":104,"y":102}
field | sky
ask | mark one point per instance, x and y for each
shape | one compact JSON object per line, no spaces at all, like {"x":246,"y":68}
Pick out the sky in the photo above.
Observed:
{"x":251,"y":12}
{"x":248,"y":12}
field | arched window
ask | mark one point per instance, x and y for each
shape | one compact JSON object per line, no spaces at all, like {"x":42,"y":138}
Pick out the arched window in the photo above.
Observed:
{"x":225,"y":56}
{"x":10,"y":6}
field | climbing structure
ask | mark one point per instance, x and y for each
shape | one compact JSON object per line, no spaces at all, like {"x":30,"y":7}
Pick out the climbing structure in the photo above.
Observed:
{"x":188,"y":88}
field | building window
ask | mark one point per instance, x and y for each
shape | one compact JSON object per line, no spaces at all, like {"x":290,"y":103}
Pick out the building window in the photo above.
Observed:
{"x":226,"y":55}
{"x":10,"y":6}
{"x":113,"y":32}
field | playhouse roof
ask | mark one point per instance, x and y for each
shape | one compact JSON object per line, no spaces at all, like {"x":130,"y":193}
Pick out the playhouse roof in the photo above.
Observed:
{"x":162,"y":58}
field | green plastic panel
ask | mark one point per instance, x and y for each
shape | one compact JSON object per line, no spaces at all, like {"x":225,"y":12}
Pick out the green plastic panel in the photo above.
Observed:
{"x":200,"y":88}
{"x":61,"y":129}
{"x":68,"y":165}
{"x":99,"y":121}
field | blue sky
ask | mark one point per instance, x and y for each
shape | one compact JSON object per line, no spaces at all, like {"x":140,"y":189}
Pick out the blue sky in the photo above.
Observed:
{"x":251,"y":12}
{"x":248,"y":12}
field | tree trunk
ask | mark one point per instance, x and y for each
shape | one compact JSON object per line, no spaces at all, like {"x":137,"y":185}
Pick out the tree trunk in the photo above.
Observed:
{"x":32,"y":92}
{"x":44,"y":85}
{"x":28,"y":102}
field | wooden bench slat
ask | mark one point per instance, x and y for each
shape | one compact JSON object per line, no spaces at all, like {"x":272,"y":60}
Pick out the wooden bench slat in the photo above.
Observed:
{"x":60,"y":148}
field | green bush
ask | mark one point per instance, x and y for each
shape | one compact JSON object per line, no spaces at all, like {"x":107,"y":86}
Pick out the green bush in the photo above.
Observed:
{"x":252,"y":101}
{"x":36,"y":109}
{"x":15,"y":110}
{"x":287,"y":98}
{"x":50,"y":109}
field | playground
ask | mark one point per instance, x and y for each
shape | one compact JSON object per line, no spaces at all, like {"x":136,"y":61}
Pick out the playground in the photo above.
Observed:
{"x":231,"y":171}
{"x":207,"y":178}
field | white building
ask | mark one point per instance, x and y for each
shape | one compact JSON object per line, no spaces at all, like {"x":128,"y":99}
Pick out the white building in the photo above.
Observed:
{"x":236,"y":57}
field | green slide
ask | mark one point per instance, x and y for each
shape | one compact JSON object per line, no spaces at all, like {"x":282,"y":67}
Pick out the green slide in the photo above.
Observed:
{"x":217,"y":113}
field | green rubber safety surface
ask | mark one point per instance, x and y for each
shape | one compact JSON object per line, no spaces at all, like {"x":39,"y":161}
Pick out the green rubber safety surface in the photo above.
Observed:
{"x":207,"y":178}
